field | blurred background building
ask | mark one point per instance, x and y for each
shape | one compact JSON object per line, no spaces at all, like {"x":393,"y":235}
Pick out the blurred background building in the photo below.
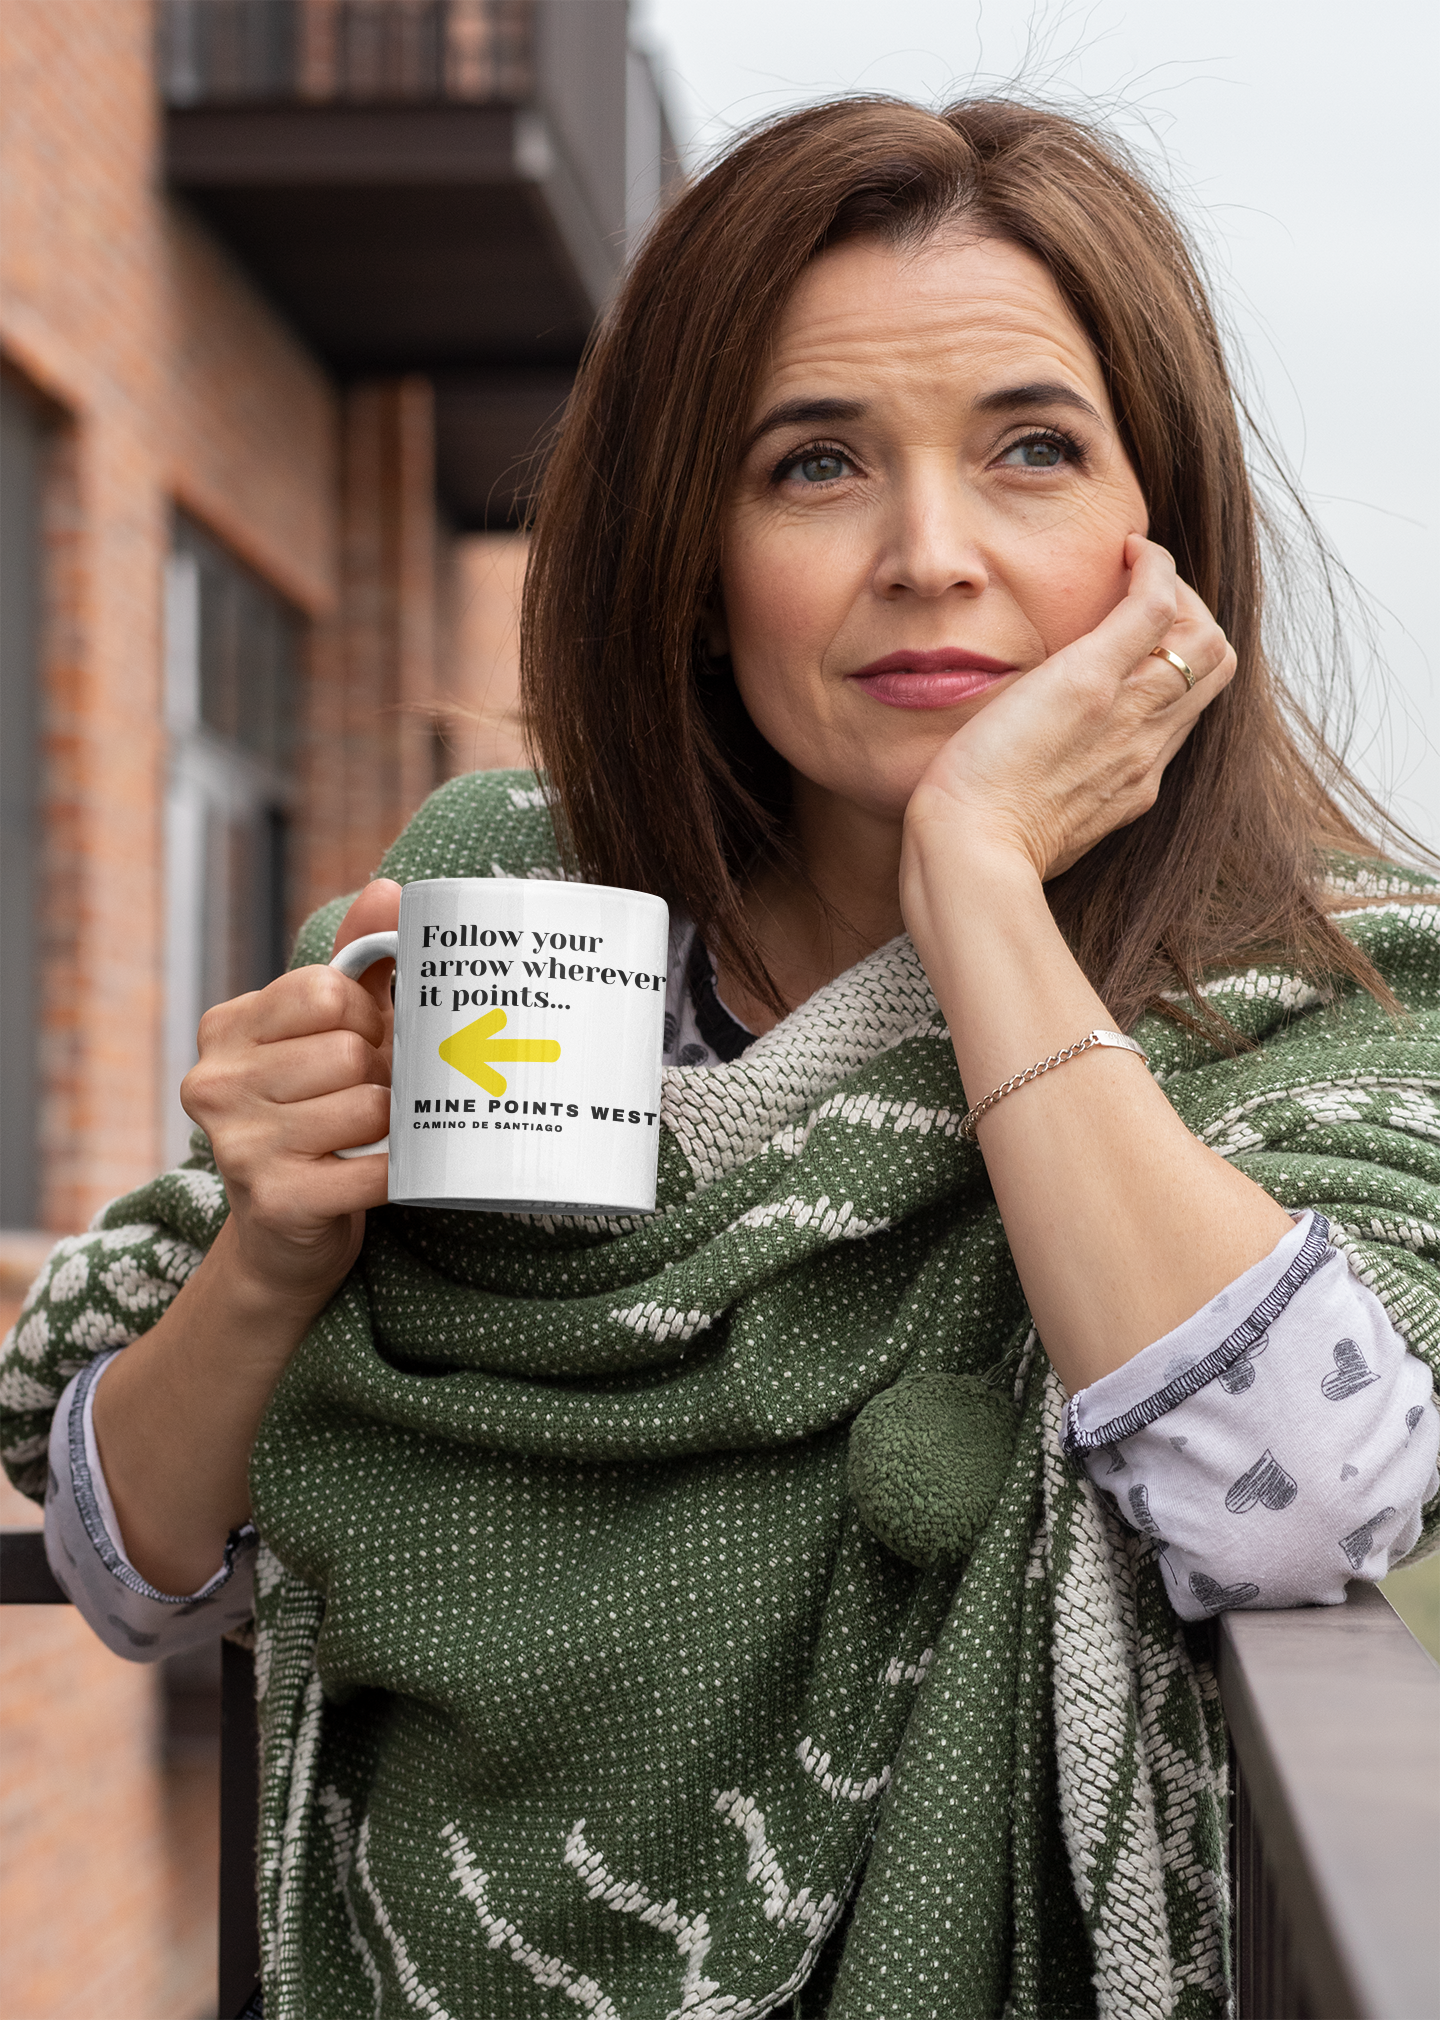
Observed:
{"x":290,"y":293}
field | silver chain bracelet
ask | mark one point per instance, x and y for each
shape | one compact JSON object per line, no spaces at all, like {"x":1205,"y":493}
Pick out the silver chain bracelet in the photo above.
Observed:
{"x":1091,"y":1038}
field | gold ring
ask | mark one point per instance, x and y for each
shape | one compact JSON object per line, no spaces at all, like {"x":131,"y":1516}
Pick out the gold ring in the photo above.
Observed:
{"x":1162,"y":652}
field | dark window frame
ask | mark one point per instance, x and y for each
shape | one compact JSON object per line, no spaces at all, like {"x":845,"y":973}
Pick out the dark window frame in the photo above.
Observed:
{"x":235,"y":671}
{"x":28,"y":429}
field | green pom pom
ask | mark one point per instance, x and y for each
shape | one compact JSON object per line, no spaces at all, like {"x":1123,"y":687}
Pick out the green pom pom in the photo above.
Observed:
{"x":927,"y":1460}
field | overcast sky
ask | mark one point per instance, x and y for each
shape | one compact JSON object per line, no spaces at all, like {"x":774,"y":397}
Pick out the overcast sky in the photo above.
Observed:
{"x":1300,"y":141}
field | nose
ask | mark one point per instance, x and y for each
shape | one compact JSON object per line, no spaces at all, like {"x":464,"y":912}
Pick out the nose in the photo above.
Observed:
{"x":930,"y":541}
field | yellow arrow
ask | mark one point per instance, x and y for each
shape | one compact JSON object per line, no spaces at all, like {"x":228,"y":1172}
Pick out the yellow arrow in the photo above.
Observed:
{"x":468,"y":1051}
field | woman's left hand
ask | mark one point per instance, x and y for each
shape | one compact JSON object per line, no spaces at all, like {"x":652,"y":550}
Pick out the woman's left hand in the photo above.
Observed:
{"x":1121,"y":1224}
{"x":1076,"y":747}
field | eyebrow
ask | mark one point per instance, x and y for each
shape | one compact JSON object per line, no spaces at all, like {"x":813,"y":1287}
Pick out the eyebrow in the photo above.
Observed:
{"x":805,"y":413}
{"x":1038,"y":393}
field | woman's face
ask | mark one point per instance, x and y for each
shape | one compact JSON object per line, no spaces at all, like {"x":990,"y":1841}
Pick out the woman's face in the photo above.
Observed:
{"x":933,"y":499}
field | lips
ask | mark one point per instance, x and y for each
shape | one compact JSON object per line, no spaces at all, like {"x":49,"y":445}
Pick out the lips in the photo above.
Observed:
{"x":935,"y":679}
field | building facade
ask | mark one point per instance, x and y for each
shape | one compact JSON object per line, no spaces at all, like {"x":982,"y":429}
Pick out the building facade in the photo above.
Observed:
{"x":290,"y":292}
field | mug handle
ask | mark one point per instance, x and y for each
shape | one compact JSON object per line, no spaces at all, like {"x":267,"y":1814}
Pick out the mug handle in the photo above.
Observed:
{"x":353,"y":961}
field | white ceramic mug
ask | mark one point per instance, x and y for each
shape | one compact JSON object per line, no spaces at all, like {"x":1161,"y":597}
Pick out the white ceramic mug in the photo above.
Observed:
{"x":529,"y":1024}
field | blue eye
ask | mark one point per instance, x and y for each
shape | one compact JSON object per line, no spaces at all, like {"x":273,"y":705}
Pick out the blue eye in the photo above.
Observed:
{"x":817,"y":466}
{"x":1038,"y":452}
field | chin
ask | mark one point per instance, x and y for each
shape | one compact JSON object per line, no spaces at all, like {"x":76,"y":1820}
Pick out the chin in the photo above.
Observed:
{"x":865,"y":768}
{"x":884,"y":791}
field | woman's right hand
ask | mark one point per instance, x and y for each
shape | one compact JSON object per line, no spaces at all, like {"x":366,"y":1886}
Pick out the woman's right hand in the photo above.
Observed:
{"x":288,"y":1075}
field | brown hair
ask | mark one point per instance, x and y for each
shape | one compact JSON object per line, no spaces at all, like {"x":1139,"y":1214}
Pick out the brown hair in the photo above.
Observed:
{"x":660,"y":781}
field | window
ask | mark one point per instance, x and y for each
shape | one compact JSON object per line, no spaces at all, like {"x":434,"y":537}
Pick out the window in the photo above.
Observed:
{"x":231,"y":681}
{"x":23,"y":433}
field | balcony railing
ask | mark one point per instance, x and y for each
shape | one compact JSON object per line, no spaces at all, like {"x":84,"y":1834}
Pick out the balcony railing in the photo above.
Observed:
{"x":1334,"y":1716}
{"x":445,"y":187}
{"x":352,"y":51}
{"x":434,"y":186}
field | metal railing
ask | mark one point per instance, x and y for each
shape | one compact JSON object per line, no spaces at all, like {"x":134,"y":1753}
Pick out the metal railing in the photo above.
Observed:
{"x":1334,"y":1717}
{"x":222,"y":52}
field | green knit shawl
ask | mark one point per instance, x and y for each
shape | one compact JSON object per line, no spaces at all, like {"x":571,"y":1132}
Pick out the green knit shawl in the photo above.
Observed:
{"x":586,"y":1680}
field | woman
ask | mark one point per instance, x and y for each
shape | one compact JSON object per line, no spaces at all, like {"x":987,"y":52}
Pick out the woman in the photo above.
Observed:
{"x":789,"y":1600}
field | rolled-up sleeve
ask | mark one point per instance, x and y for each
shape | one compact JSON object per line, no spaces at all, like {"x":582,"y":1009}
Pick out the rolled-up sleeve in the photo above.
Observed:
{"x":1278,"y":1444}
{"x":87,"y":1554}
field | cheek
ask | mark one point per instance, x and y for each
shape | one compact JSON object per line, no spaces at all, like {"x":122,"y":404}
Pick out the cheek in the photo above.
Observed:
{"x":1064,"y":604}
{"x":778,"y":698}
{"x":783,"y":608}
{"x":775,"y":627}
{"x":766,"y":621}
{"x":1066,"y":589}
{"x":786,"y":593}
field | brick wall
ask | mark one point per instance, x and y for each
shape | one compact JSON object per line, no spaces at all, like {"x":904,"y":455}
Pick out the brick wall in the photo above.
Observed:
{"x":480,"y":674}
{"x":168,"y":380}
{"x":172,"y":380}
{"x":369,"y":747}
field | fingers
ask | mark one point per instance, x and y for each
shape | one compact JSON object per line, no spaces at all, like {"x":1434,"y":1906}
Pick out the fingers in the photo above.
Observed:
{"x":1079,"y":747}
{"x":1191,"y":634}
{"x":324,"y":1062}
{"x":376,"y":910}
{"x":234,"y":1069}
{"x":1201,"y":641}
{"x":275,"y":1157}
{"x":256,"y":1140}
{"x":1158,"y":609}
{"x":294,"y":1070}
{"x":1196,"y":639}
{"x":286,"y":1076}
{"x":1141,"y":618}
{"x":295,"y":1005}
